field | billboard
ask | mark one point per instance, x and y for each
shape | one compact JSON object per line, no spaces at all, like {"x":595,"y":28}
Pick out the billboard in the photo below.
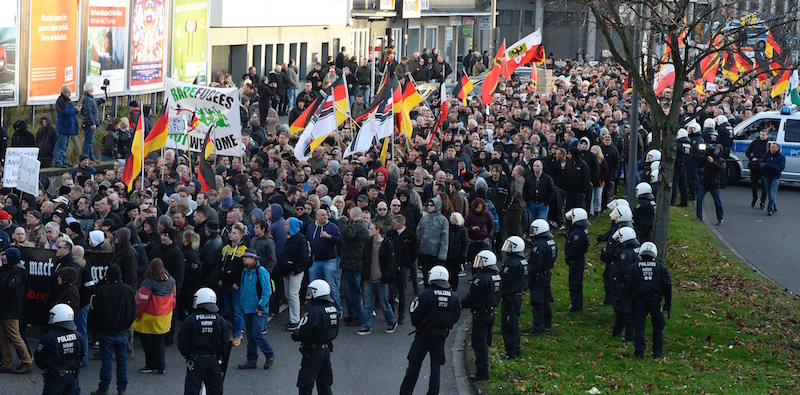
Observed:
{"x":148,"y":40}
{"x":190,"y":41}
{"x":53,"y":49}
{"x":9,"y":56}
{"x":106,"y":46}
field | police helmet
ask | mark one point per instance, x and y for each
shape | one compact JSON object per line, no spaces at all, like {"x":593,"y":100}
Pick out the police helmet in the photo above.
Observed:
{"x":720,"y":119}
{"x":485,"y":259}
{"x":624,"y":235}
{"x":320,"y":289}
{"x":205,"y":298}
{"x":655,"y":165}
{"x":514,"y":244}
{"x":643,"y":188}
{"x":62,"y":315}
{"x":622,"y":214}
{"x":654,"y":176}
{"x":682,"y":133}
{"x":648,"y":249}
{"x":577,"y":216}
{"x":540,"y":227}
{"x":617,"y":202}
{"x":693,"y":127}
{"x":653,"y":155}
{"x":439,"y":276}
{"x":709,"y":123}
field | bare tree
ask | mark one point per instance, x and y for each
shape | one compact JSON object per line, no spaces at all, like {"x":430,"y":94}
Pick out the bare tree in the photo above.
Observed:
{"x":692,"y":32}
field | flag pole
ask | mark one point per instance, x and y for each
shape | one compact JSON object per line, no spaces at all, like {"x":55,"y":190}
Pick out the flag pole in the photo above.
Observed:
{"x":142,"y":134}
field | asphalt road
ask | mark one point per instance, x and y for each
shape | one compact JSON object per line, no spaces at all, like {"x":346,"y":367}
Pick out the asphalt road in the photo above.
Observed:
{"x":362,"y":365}
{"x":766,"y":243}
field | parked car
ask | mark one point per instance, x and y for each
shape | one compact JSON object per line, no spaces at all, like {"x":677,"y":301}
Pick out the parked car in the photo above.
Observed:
{"x":787,"y":135}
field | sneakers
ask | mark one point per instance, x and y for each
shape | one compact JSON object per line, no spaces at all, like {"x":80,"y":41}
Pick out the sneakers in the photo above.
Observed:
{"x":248,"y":365}
{"x":292,"y":327}
{"x":365,"y":331}
{"x":269,"y":362}
{"x":23,"y":368}
{"x":237,"y":341}
{"x":147,"y":369}
{"x":391,"y":328}
{"x":159,"y":371}
{"x":719,"y":222}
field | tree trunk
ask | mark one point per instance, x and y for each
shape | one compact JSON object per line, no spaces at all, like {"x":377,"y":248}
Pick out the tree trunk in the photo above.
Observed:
{"x":666,"y":170}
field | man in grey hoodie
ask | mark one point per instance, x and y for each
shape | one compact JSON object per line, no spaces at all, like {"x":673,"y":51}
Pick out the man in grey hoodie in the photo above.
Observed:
{"x":432,"y":235}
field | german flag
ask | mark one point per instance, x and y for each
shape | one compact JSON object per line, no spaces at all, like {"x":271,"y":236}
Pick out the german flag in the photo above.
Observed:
{"x":340,"y":97}
{"x":626,"y":86}
{"x":772,"y":48}
{"x":742,"y":63}
{"x":411,"y":99}
{"x":300,"y":123}
{"x":729,"y":68}
{"x":463,"y":88}
{"x":157,"y":138}
{"x":206,"y":174}
{"x":133,"y":166}
{"x":709,"y":66}
{"x":782,"y":71}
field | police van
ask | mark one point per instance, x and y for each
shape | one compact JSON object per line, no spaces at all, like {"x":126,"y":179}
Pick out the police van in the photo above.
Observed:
{"x":784,"y":126}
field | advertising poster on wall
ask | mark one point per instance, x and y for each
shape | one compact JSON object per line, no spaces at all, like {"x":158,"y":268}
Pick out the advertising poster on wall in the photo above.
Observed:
{"x":190,"y":41}
{"x":106,"y":42}
{"x":9,"y":56}
{"x":53,"y":49}
{"x":147,"y":45}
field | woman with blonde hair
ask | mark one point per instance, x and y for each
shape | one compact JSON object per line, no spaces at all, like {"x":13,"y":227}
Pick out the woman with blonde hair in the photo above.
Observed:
{"x":193,"y":278}
{"x":597,"y":190}
{"x":456,"y":247}
{"x":155,"y":301}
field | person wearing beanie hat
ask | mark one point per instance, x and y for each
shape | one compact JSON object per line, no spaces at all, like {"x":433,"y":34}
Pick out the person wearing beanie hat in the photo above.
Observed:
{"x":292,"y":265}
{"x":174,"y":262}
{"x":14,"y":277}
{"x":75,"y":232}
{"x":576,"y":180}
{"x":255,"y":292}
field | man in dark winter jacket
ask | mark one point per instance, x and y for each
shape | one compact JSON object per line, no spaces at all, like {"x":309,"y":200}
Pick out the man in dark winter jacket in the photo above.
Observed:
{"x":711,"y":173}
{"x":125,"y":256}
{"x":64,"y":259}
{"x":22,"y":137}
{"x":66,"y":125}
{"x":577,"y":178}
{"x":354,"y":238}
{"x":46,"y":138}
{"x":13,"y":280}
{"x":113,"y":310}
{"x":175,"y":263}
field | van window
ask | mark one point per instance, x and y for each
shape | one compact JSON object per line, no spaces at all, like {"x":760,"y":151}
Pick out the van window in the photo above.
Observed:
{"x":751,"y":132}
{"x":791,"y":131}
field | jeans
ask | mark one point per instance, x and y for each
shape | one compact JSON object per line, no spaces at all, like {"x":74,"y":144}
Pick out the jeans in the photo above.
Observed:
{"x":83,"y":315}
{"x":60,"y":156}
{"x":114,"y":345}
{"x":106,"y":158}
{"x":365,"y":93}
{"x":232,"y":300}
{"x":400,"y":291}
{"x":701,"y":193}
{"x":537,"y":211}
{"x":597,"y":200}
{"x":351,"y":284}
{"x":291,"y":285}
{"x":772,"y":189}
{"x":88,"y":143}
{"x":381,"y":291}
{"x":292,"y":93}
{"x":256,"y":325}
{"x":755,"y":179}
{"x":327,"y":271}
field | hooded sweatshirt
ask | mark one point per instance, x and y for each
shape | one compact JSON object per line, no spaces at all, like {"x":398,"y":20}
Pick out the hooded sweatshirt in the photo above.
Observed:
{"x":296,"y":258}
{"x":46,"y":138}
{"x":125,"y":257}
{"x":277,"y":228}
{"x":67,"y":291}
{"x":114,"y":306}
{"x":433,"y":233}
{"x":13,"y":280}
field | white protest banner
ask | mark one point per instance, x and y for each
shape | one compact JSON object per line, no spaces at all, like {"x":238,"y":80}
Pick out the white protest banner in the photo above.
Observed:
{"x":202,"y":107}
{"x":28,"y":180}
{"x":11,"y":172}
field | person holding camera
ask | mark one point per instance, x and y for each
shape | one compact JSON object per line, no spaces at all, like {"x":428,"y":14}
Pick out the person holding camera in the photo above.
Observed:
{"x":712,"y":169}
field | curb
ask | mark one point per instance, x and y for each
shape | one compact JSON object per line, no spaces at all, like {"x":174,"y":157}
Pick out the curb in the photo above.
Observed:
{"x":460,"y":360}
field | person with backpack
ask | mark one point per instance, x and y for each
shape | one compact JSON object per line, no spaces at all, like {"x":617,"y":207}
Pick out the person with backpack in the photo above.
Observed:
{"x":255,"y":292}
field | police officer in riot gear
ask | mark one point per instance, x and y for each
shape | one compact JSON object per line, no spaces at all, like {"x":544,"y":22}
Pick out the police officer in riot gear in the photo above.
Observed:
{"x":725,"y":133}
{"x":644,"y":215}
{"x":625,"y":257}
{"x":607,"y":256}
{"x":540,"y":263}
{"x":433,"y":313}
{"x":680,"y":177}
{"x":514,"y":281}
{"x":59,"y":352}
{"x":318,"y":327}
{"x":205,"y":342}
{"x":695,"y":139}
{"x":575,"y":249}
{"x":648,"y":281}
{"x":710,"y":134}
{"x":482,"y":299}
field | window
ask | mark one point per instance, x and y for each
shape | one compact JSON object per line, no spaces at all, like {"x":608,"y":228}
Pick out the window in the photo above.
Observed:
{"x":412,"y":43}
{"x":431,"y":37}
{"x":269,"y":62}
{"x":279,"y":53}
{"x":791,"y":131}
{"x":361,"y":44}
{"x":293,"y":53}
{"x":529,"y":18}
{"x":303,"y":63}
{"x":752,"y":131}
{"x":505,"y":17}
{"x":325,"y":54}
{"x":397,"y":41}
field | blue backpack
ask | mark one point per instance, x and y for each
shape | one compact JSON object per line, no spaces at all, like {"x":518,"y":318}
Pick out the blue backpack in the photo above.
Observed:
{"x":493,"y":212}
